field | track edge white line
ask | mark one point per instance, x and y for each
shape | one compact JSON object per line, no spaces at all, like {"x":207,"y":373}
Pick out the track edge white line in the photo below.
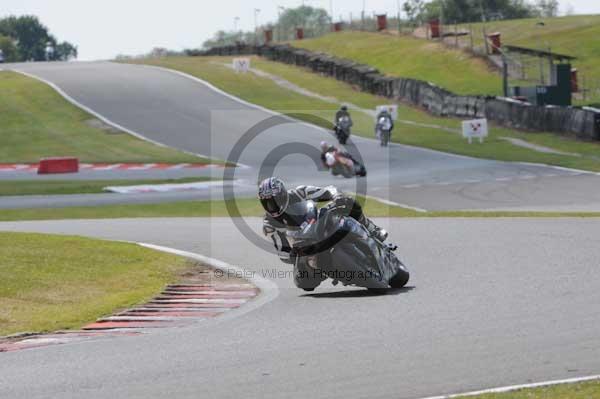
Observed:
{"x":510,"y":388}
{"x":397,"y":204}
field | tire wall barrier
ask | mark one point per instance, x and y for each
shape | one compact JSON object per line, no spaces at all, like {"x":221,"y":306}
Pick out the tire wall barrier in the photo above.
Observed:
{"x":576,"y":122}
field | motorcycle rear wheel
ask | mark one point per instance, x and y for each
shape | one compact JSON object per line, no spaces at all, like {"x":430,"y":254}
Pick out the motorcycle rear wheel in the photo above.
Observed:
{"x":347,"y":173}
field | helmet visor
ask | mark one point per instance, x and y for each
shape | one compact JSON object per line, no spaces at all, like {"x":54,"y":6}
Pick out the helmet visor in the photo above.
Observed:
{"x":270,"y":205}
{"x":275,"y":205}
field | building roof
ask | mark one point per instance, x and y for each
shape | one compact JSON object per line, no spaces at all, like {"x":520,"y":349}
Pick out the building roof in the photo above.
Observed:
{"x":539,"y":53}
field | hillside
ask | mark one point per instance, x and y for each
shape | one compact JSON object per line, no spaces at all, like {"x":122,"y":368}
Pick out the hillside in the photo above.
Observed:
{"x":410,"y":57}
{"x":464,"y":74}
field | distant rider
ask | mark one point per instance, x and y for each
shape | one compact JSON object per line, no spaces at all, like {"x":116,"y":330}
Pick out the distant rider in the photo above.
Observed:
{"x":329,"y":148}
{"x":343,"y":111}
{"x":386,"y":124}
{"x":275,"y":200}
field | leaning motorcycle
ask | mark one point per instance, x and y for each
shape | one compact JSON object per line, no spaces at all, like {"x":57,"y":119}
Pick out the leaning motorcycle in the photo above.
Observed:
{"x":383,"y":130}
{"x":341,"y":164}
{"x":331,"y":245}
{"x":342,"y":129}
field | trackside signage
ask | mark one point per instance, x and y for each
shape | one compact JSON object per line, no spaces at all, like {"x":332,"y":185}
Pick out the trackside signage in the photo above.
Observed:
{"x":476,"y":128}
{"x":241,"y":64}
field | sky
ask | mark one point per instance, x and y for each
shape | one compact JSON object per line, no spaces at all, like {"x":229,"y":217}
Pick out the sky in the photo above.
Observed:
{"x":103,"y":29}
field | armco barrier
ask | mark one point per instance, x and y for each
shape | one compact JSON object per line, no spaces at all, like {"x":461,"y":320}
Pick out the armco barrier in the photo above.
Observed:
{"x":58,"y":165}
{"x":581,"y":123}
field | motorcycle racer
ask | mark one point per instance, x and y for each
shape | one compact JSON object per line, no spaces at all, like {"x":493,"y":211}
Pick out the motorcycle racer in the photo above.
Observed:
{"x":276,"y":200}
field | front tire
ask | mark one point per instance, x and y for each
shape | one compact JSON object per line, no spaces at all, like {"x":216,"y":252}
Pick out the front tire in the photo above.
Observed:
{"x":400,"y":279}
{"x":305,"y":277}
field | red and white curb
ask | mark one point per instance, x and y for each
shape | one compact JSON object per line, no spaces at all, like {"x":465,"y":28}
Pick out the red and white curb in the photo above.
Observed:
{"x":177,"y":305}
{"x":22,"y":167}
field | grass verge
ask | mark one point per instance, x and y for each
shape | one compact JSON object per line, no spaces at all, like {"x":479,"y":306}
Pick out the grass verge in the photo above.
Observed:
{"x":37,"y":122}
{"x":52,"y":283}
{"x":583,"y":390}
{"x":263,"y":91}
{"x":59,"y":187}
{"x":247,"y":207}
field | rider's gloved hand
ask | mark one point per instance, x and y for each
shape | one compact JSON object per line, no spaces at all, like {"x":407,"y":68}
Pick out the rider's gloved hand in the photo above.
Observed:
{"x":344,"y":203}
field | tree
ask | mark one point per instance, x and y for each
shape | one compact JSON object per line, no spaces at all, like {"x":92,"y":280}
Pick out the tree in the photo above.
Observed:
{"x":315,"y":21}
{"x":458,"y":11}
{"x":223,"y":38}
{"x":547,"y":8}
{"x":32,"y":37}
{"x":432,"y":10}
{"x":30,"y":34}
{"x":9,"y":50}
{"x":65,"y":51}
{"x":413,"y":10}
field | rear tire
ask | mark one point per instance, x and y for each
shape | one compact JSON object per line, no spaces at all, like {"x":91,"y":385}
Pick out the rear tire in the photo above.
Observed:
{"x":385,"y":138}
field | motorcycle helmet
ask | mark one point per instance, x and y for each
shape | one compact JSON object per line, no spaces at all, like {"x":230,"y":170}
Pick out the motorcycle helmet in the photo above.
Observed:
{"x":324,"y":146}
{"x":273,"y":196}
{"x":344,"y":108}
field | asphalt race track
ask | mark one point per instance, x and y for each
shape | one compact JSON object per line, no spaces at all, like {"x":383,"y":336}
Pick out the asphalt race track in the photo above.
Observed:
{"x":186,"y":114}
{"x":492,"y":302}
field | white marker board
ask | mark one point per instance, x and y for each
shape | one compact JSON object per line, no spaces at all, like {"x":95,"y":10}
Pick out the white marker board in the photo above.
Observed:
{"x":476,"y":128}
{"x":241,"y":64}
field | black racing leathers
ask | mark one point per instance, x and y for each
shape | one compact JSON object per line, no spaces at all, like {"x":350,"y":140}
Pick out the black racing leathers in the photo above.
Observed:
{"x":276,"y":227}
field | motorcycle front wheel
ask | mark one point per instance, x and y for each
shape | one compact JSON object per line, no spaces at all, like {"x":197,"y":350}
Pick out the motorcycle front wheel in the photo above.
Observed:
{"x":401,"y":278}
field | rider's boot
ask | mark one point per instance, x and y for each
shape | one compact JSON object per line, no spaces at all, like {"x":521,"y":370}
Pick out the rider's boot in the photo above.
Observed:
{"x":375,"y":230}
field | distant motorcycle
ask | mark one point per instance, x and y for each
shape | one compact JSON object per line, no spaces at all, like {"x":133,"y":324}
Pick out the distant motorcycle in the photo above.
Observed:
{"x":341,"y":163}
{"x":342,"y":129}
{"x":383,"y":129}
{"x":336,"y":246}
